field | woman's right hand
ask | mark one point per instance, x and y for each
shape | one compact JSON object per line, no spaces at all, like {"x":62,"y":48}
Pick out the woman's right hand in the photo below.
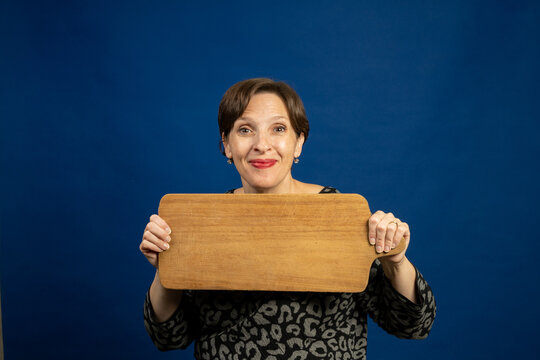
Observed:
{"x":156,"y":238}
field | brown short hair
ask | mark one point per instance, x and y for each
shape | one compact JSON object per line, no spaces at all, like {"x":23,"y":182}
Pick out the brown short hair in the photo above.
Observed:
{"x":237,"y":97}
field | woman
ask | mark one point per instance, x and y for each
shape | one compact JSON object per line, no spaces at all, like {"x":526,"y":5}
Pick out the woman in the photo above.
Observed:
{"x":263,"y":127}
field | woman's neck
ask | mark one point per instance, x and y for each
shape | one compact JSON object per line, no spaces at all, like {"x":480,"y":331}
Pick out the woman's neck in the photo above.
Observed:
{"x":287,"y":186}
{"x":292,"y":187}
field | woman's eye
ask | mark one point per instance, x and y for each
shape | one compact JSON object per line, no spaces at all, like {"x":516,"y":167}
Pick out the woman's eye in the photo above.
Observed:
{"x":244,"y":131}
{"x":280,"y":128}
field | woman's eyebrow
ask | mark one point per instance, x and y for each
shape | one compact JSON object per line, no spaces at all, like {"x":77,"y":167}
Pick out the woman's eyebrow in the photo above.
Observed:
{"x":244,"y":118}
{"x":275,"y":117}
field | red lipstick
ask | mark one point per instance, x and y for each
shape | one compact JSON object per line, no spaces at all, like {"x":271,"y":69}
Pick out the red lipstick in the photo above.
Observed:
{"x":262,"y":163}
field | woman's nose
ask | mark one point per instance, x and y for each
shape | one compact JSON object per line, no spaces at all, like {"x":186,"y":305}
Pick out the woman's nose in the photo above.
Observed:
{"x":262,"y":144}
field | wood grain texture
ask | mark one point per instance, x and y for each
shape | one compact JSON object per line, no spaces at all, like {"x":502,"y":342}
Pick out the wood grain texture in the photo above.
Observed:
{"x":292,"y":242}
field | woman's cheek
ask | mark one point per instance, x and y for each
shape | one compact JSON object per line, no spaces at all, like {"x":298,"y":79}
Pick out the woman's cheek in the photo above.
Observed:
{"x":285,"y":147}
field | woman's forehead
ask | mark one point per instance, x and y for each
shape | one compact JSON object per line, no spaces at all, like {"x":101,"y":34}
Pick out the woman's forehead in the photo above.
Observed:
{"x":248,"y":118}
{"x":266,"y":105}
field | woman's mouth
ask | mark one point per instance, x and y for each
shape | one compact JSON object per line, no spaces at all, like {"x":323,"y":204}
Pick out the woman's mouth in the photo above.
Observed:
{"x":262,"y":163}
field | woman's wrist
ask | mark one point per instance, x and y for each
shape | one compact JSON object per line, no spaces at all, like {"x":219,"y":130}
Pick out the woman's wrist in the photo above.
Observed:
{"x":391,"y":268}
{"x":402,"y":276}
{"x":164,"y":301}
{"x":163,"y":290}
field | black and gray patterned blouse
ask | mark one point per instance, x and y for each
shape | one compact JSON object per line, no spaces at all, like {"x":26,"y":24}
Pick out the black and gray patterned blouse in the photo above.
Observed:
{"x":291,"y":325}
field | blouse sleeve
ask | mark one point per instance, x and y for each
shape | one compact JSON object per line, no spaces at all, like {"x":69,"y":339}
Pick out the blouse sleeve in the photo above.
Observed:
{"x":175,"y":333}
{"x":395,"y":313}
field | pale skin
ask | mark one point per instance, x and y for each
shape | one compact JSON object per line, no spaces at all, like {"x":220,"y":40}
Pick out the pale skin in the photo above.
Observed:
{"x":264,"y":131}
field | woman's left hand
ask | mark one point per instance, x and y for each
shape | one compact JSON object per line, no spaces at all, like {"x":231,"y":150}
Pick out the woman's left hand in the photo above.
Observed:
{"x":386,"y":232}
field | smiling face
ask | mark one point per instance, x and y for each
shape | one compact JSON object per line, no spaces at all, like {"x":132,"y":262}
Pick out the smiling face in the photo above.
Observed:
{"x":263,"y":145}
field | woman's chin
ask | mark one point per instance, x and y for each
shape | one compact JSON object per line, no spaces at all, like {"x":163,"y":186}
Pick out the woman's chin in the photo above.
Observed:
{"x":263,"y":185}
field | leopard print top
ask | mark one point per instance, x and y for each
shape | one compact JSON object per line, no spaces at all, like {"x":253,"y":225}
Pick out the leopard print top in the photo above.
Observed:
{"x":236,"y":325}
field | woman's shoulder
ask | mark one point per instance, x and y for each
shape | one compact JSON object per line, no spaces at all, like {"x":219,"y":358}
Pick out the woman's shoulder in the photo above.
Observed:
{"x":310,"y":188}
{"x":329,"y":190}
{"x":306,"y":188}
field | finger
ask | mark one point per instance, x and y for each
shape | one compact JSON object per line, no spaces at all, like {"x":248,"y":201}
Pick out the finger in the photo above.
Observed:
{"x":407,"y":235}
{"x":148,"y":236}
{"x":372,"y":226}
{"x":382,"y":228}
{"x":400,"y":235}
{"x":148,"y":248}
{"x":151,"y":256}
{"x":152,"y":259}
{"x":395,"y":225}
{"x":158,"y":231}
{"x":391,"y":230}
{"x":158,"y":220}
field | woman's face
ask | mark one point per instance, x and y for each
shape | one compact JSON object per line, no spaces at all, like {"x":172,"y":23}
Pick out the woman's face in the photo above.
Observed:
{"x":263,"y":145}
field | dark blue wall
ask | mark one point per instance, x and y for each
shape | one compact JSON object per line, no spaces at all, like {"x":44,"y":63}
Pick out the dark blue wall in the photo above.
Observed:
{"x":426,"y":108}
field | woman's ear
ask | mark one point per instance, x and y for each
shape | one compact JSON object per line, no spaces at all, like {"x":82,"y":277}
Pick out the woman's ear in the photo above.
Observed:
{"x":226,"y":146}
{"x":299,"y":143}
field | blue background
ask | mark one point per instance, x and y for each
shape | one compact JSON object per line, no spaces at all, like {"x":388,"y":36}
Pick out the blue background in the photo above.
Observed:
{"x":424,"y":107}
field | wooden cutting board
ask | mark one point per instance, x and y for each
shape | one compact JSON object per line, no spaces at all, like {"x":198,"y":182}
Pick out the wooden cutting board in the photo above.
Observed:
{"x":290,"y":242}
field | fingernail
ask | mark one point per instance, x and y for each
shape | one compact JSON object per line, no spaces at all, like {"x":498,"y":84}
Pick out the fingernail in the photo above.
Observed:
{"x":167,"y":245}
{"x":393,"y":246}
{"x":168,"y":230}
{"x":168,"y":238}
{"x":379,"y":248}
{"x":372,"y":241}
{"x":387,"y":248}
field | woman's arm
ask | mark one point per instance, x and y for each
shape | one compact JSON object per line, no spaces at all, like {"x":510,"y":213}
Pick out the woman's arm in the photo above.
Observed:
{"x":171,"y":323}
{"x":385,"y":233}
{"x":156,"y":238}
{"x":397,"y":297}
{"x":168,"y":314}
{"x":164,"y":301}
{"x":394,"y":312}
{"x":402,"y":276}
